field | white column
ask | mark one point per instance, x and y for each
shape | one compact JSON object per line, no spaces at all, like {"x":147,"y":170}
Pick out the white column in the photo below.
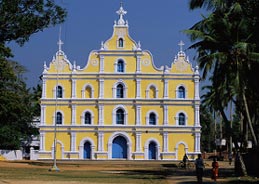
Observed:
{"x":138,"y":92}
{"x":138,"y":141}
{"x":43,"y":115}
{"x":197,"y":142}
{"x":42,"y":141}
{"x":73,"y":120}
{"x":73,"y":88}
{"x":101,"y":82}
{"x":165,"y":115}
{"x":197,"y":115}
{"x":165,"y":142}
{"x":197,"y":81}
{"x":100,"y":141}
{"x":73,"y":141}
{"x":100,"y":114}
{"x":101,"y":64}
{"x":138,"y":114}
{"x":165,"y":88}
{"x":43,"y":88}
{"x":138,"y":64}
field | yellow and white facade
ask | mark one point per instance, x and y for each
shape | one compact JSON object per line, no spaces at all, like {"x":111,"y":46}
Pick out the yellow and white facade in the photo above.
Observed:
{"x":120,"y":106}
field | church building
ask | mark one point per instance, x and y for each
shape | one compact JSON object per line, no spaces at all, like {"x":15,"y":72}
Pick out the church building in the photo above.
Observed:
{"x":120,"y":105}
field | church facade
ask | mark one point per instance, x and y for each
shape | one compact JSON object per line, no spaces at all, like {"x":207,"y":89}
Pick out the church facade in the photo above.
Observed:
{"x":119,"y":106}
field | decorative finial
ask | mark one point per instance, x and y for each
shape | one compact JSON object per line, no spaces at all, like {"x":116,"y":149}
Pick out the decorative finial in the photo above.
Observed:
{"x":121,"y":12}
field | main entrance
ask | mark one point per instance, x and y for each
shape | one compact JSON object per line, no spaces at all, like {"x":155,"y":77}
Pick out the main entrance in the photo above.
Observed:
{"x":119,"y":148}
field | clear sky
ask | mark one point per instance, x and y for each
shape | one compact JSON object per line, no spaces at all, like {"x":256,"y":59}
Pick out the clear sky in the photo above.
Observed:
{"x":158,"y":25}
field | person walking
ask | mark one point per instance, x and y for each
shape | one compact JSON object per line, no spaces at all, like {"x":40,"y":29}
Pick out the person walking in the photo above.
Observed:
{"x":185,"y":159}
{"x":199,"y":168}
{"x":215,"y":169}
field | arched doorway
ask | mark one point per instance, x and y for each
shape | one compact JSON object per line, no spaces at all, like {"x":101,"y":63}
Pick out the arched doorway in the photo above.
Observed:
{"x":87,"y":150}
{"x":119,"y":148}
{"x":152,"y":151}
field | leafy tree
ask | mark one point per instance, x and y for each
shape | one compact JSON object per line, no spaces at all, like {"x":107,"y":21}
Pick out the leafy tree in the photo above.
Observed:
{"x":21,"y":18}
{"x":226,"y":50}
{"x":15,"y":106}
{"x":18,"y":21}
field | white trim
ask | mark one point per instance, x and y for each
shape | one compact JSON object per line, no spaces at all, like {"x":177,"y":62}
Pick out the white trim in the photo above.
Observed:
{"x":54,"y":91}
{"x":123,"y":42}
{"x":177,"y":148}
{"x":74,"y":88}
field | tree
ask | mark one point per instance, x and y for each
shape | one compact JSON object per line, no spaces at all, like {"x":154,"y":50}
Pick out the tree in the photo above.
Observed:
{"x":18,"y":21}
{"x":21,"y":18}
{"x":226,"y":50}
{"x":15,"y":106}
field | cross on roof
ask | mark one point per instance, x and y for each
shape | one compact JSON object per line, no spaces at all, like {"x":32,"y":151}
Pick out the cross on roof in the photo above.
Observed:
{"x":121,"y":12}
{"x":181,"y":44}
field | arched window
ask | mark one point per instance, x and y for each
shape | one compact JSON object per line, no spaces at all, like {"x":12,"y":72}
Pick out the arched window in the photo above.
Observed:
{"x":120,"y":66}
{"x":119,"y":91}
{"x":87,"y":118}
{"x":88,"y":91}
{"x":120,"y":42}
{"x":152,"y":118}
{"x":120,"y":117}
{"x":59,"y":118}
{"x":59,"y":92}
{"x":181,"y":92}
{"x":152,"y":93}
{"x":181,"y":119}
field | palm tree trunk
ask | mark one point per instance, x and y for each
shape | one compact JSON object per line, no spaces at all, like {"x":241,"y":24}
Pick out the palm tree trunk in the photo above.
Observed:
{"x":249,"y":120}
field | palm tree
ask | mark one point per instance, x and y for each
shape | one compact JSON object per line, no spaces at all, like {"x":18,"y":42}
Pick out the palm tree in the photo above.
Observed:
{"x":225,"y":50}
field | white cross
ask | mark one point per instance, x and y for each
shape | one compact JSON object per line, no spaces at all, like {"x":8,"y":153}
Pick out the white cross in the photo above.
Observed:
{"x":181,"y":44}
{"x":121,"y":12}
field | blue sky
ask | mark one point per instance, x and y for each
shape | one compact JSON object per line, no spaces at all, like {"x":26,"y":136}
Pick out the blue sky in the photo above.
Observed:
{"x":158,"y":25}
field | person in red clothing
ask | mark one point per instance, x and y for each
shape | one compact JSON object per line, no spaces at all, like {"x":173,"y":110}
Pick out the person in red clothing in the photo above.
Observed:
{"x":215,"y":169}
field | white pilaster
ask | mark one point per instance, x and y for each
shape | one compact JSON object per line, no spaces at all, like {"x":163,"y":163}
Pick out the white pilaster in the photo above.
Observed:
{"x":100,"y":114}
{"x":165,"y":115}
{"x":100,"y":141}
{"x":165,"y":88}
{"x":138,"y":95}
{"x":138,"y":114}
{"x":165,"y":142}
{"x":43,"y":88}
{"x":73,"y":141}
{"x":197,"y":115}
{"x":197,"y":142}
{"x":197,"y":81}
{"x":101,"y":64}
{"x":73,"y":120}
{"x":42,"y":141}
{"x":101,"y":82}
{"x":43,"y":115}
{"x":73,"y":88}
{"x":138,"y":64}
{"x":138,"y":141}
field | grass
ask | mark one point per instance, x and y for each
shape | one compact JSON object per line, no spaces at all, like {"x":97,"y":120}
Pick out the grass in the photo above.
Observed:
{"x":120,"y":172}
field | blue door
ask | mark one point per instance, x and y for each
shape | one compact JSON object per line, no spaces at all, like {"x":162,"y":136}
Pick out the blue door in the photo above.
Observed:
{"x":119,"y":147}
{"x":152,"y":151}
{"x":87,"y":150}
